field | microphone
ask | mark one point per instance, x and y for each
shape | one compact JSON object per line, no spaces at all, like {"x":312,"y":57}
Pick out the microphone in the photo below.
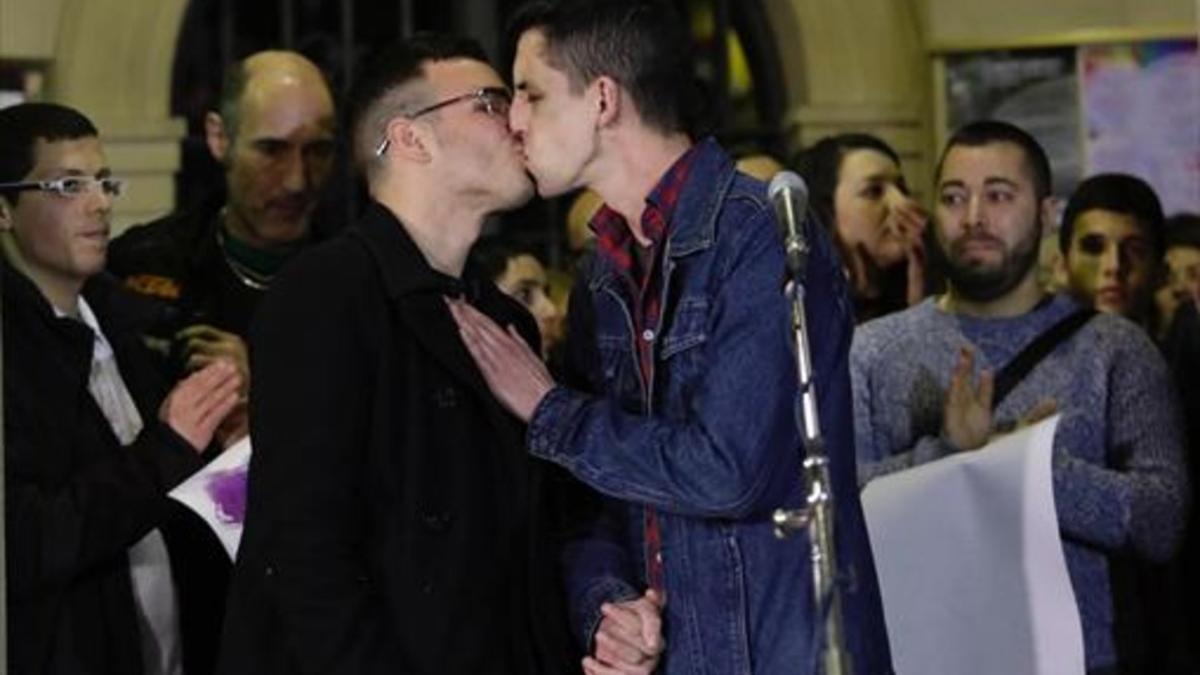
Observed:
{"x":789,"y":195}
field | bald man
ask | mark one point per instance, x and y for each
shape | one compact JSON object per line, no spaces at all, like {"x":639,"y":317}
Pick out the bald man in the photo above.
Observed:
{"x":205,"y":272}
{"x":274,"y":136}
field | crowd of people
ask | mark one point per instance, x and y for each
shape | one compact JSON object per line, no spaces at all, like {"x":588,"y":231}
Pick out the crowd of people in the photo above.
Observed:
{"x":461,"y":466}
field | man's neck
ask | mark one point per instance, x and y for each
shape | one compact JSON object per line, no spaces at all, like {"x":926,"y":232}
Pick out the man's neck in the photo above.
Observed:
{"x":62,"y":293}
{"x":238,"y":229}
{"x":632,"y":168}
{"x":1023,"y":298}
{"x":443,"y":231}
{"x":64,"y":297}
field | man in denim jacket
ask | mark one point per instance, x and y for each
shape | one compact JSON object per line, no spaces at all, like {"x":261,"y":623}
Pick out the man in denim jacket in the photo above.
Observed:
{"x":682,"y":417}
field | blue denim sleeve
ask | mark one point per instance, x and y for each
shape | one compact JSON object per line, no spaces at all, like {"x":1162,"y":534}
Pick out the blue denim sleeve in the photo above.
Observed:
{"x":739,"y":440}
{"x":596,"y":571}
{"x":724,"y":454}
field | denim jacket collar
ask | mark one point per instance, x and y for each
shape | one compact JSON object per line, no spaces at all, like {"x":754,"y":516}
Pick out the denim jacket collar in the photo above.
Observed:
{"x":693,"y":224}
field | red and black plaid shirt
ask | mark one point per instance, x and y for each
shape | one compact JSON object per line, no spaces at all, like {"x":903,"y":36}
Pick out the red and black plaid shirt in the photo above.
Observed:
{"x":640,"y":272}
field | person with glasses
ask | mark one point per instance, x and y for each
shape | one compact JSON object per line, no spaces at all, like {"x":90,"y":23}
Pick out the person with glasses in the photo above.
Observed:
{"x":93,"y":439}
{"x":394,"y":523}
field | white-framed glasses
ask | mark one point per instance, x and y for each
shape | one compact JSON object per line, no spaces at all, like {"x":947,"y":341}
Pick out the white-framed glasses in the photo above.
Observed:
{"x":71,"y":186}
{"x":494,"y":101}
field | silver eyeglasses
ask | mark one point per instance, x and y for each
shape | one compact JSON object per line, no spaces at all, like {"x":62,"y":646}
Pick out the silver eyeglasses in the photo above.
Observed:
{"x":71,"y":186}
{"x":494,"y":101}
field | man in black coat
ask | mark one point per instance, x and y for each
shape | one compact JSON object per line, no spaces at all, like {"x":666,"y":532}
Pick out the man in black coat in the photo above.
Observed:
{"x":203,"y":271}
{"x":394,"y":522}
{"x":208,"y":268}
{"x":90,"y":452}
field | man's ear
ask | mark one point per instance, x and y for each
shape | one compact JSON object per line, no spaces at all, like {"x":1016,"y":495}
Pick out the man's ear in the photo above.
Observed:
{"x":216,"y":136}
{"x":6,"y":215}
{"x":1050,"y":214}
{"x":1058,"y":268}
{"x":1059,"y":265}
{"x":608,"y":100}
{"x":409,"y":139}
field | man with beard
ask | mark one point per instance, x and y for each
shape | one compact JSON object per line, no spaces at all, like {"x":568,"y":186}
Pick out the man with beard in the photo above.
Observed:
{"x":926,"y":386}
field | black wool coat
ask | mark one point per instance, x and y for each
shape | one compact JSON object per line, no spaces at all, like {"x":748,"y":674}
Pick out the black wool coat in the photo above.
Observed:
{"x":394,"y":523}
{"x":76,"y":500}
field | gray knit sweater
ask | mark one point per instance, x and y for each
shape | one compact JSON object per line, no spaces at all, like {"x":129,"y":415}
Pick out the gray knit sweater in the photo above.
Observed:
{"x":1119,"y":478}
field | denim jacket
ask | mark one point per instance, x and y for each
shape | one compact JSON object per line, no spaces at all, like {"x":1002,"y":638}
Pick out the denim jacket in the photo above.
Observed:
{"x":716,"y":448}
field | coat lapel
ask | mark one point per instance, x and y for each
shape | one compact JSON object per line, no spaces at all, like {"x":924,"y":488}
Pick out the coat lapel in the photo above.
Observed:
{"x":427,"y":318}
{"x":416,"y":293}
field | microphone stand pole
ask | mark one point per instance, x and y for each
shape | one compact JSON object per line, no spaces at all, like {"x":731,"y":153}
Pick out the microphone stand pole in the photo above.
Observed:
{"x":817,"y":514}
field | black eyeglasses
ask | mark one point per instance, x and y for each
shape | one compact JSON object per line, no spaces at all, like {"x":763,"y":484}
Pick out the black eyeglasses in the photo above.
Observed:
{"x":72,"y":186}
{"x":494,"y":101}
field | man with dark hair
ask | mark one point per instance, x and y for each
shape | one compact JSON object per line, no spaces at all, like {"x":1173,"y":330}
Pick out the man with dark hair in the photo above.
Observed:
{"x":92,"y":446}
{"x":927,"y":381}
{"x":394,"y":523}
{"x":990,"y":132}
{"x":1181,"y":284}
{"x":682,"y":386}
{"x":274,"y":137}
{"x":1178,"y":302}
{"x":519,"y":274}
{"x":1112,"y":240}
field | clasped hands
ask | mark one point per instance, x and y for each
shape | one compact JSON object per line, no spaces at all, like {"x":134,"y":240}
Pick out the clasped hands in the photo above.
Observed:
{"x":629,"y":638}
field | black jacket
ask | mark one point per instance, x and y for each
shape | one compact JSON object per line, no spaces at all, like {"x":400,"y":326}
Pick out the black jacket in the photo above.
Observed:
{"x":76,"y":500}
{"x":177,"y":260}
{"x":394,"y":522}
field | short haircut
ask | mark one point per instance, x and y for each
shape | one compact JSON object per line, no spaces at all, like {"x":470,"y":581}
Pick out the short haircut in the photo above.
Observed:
{"x":987,"y":132}
{"x":1119,"y":193}
{"x":382,"y":91}
{"x":1183,"y":229}
{"x":233,"y":87}
{"x":821,"y":164}
{"x":641,"y":44}
{"x":23,"y":124}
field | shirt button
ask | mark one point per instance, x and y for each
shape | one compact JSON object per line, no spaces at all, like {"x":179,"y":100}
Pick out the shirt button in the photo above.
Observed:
{"x":658,"y":557}
{"x":648,"y":335}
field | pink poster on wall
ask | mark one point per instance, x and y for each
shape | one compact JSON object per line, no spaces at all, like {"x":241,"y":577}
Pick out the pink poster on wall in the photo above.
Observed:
{"x":1141,"y":109}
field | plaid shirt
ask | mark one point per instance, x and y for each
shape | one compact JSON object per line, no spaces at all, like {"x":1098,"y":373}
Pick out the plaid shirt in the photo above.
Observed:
{"x":641,"y":276}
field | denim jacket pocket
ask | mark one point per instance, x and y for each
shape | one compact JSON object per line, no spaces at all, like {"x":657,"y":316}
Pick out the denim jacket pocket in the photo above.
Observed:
{"x":613,"y":350}
{"x":688,"y":329}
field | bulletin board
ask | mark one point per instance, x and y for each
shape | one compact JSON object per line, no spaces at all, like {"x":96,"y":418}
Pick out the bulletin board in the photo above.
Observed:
{"x":1131,"y":106}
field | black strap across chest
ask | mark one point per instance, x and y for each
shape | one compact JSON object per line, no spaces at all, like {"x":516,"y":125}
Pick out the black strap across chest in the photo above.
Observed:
{"x":1016,"y":369}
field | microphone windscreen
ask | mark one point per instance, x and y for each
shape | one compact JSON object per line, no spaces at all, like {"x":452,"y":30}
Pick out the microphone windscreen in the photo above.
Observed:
{"x":787,"y":180}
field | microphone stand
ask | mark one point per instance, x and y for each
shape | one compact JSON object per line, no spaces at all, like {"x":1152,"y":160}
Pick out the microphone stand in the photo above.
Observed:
{"x":817,"y":514}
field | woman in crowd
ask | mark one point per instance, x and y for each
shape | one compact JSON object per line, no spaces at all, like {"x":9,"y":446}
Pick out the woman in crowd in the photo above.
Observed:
{"x":856,"y":188}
